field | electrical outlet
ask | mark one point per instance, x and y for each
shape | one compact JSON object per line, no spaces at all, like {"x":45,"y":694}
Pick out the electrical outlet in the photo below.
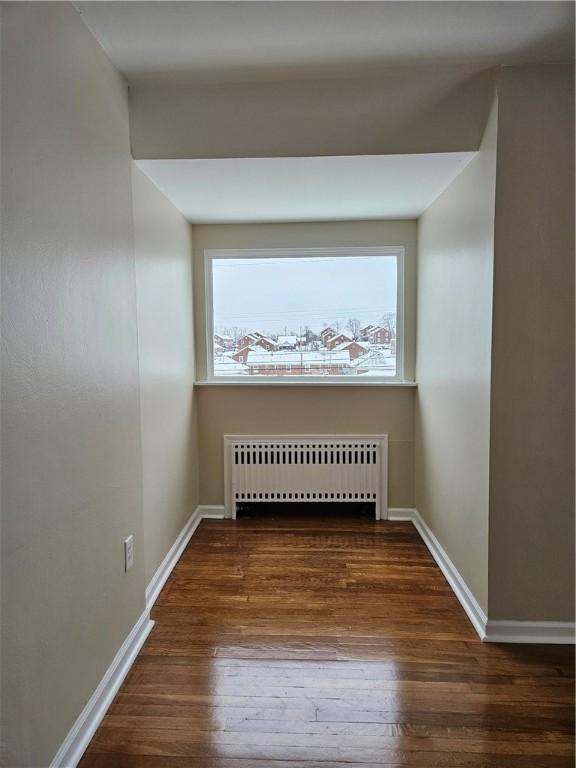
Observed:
{"x":128,"y":552}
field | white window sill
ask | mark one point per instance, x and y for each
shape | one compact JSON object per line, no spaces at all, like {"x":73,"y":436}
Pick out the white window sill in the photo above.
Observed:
{"x":284,"y":381}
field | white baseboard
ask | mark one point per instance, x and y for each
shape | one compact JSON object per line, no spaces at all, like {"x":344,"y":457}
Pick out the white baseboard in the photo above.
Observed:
{"x":79,"y":736}
{"x":401,"y":514}
{"x":212,"y":511}
{"x":174,"y":553}
{"x":202,"y":512}
{"x":451,"y":573}
{"x":553,"y":632}
{"x":488,"y":630}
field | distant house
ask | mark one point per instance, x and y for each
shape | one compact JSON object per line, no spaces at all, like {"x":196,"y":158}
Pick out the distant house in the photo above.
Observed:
{"x":326,"y":334}
{"x":265,"y":343}
{"x":298,"y":363}
{"x":242,"y":354}
{"x":287,"y":342}
{"x":354,"y":349}
{"x":226,"y":342}
{"x":364,"y":333}
{"x":218,"y":349}
{"x":336,"y":341}
{"x":379,"y":335}
{"x":311,"y":337}
{"x":245,"y":341}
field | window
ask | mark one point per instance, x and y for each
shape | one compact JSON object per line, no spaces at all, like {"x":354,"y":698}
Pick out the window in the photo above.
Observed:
{"x":308,"y":314}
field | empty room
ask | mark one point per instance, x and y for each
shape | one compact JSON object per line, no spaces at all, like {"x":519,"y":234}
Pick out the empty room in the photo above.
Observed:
{"x":287,"y":384}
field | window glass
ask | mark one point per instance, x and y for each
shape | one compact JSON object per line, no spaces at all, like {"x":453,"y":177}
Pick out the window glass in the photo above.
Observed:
{"x":305,"y":315}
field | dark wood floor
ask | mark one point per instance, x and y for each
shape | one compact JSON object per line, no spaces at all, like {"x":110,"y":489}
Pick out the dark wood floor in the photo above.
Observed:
{"x":287,"y":643}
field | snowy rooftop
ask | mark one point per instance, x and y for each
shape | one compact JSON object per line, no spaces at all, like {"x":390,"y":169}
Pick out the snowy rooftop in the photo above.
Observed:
{"x":346,"y":344}
{"x":228,"y":367}
{"x":308,"y":358}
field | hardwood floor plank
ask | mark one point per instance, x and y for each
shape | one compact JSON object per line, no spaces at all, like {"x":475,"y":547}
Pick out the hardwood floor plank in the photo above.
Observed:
{"x":329,"y":643}
{"x":147,"y":761}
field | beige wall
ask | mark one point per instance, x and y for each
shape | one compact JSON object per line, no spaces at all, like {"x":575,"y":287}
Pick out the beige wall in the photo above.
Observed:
{"x":71,"y":468}
{"x":269,"y":409}
{"x":253,"y":410}
{"x":532,"y":425}
{"x":402,"y":111}
{"x":455,"y":268}
{"x":163,"y":245}
{"x":507,"y":525}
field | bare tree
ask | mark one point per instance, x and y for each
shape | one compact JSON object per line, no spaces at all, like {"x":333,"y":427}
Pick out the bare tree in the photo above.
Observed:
{"x":353,"y":325}
{"x":237,"y":331}
{"x":388,"y":321}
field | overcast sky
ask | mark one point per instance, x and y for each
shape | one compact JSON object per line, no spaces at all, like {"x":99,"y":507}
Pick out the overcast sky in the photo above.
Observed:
{"x":274,"y":295}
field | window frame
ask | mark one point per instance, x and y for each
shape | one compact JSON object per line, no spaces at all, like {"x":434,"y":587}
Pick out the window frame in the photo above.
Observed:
{"x":212,"y":254}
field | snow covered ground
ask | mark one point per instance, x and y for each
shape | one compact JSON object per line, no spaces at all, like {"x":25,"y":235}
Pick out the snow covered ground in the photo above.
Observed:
{"x":377,"y":361}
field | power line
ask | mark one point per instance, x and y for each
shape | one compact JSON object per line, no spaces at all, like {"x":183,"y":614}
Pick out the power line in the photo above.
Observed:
{"x":317,"y":314}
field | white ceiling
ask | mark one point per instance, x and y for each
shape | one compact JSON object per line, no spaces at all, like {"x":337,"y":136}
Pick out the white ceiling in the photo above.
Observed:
{"x":183,"y":41}
{"x":305,"y":188}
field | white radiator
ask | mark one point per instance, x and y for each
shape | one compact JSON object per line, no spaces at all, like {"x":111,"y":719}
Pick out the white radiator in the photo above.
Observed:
{"x":306,"y":468}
